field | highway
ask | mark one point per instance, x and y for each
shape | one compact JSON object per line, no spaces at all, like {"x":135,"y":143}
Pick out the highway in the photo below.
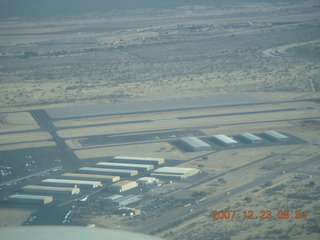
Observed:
{"x":180,"y":213}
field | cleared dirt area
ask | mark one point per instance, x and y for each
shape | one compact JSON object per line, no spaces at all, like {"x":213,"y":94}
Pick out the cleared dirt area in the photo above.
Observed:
{"x":140,"y":150}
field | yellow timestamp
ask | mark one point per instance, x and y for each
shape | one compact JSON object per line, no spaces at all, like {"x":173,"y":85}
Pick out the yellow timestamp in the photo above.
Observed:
{"x":263,"y":214}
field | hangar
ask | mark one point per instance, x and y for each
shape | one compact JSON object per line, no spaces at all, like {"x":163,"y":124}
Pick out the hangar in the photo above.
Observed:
{"x":275,"y":136}
{"x":249,"y":137}
{"x":225,"y":140}
{"x":93,"y":177}
{"x":138,"y":160}
{"x":122,"y":186}
{"x":195,"y":143}
{"x":108,"y":171}
{"x":125,"y":200}
{"x":71,"y":183}
{"x":174,"y":172}
{"x":168,"y":176}
{"x":139,"y":167}
{"x":33,"y":199}
{"x":50,"y":190}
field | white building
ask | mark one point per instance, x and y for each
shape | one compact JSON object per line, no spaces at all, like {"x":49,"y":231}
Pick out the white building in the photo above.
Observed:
{"x":196,"y":144}
{"x":138,"y":160}
{"x":108,"y":171}
{"x":225,"y":140}
{"x":71,"y":183}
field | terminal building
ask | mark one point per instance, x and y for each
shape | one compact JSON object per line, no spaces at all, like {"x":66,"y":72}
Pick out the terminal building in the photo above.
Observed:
{"x":225,"y":140}
{"x":275,"y":136}
{"x":125,"y":200}
{"x":195,"y":144}
{"x":71,"y":183}
{"x":108,"y":171}
{"x":174,"y":173}
{"x":30,"y":199}
{"x":50,"y":190}
{"x":139,"y":167}
{"x":122,"y":186}
{"x":91,"y":177}
{"x":138,"y":160}
{"x":249,"y":137}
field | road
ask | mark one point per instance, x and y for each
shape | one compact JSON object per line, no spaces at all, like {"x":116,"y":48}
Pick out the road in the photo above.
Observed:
{"x":174,"y":215}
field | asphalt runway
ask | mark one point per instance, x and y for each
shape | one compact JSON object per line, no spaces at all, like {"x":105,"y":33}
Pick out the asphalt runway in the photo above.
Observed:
{"x":152,"y":106}
{"x":106,"y":139}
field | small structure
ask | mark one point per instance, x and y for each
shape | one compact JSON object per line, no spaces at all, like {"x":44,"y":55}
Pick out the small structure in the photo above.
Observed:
{"x":138,"y":160}
{"x":249,"y":137}
{"x":71,"y":183}
{"x":195,"y":143}
{"x":93,"y":177}
{"x":174,"y":172}
{"x":275,"y":136}
{"x":303,"y":176}
{"x":139,"y":167}
{"x":147,"y":180}
{"x":108,"y":171}
{"x":50,"y":190}
{"x":30,"y":199}
{"x":125,"y":200}
{"x":225,"y":140}
{"x":122,"y":186}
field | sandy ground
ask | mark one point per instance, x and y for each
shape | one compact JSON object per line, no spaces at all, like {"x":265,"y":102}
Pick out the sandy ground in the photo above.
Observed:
{"x":17,"y":122}
{"x":13,"y":217}
{"x":260,"y":202}
{"x":27,"y":145}
{"x":24,"y":137}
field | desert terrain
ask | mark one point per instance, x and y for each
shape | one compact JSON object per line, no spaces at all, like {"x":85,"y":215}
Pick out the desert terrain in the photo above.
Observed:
{"x":60,"y":63}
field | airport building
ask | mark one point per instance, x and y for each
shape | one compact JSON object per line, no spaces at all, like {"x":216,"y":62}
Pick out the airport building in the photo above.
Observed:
{"x":139,"y":167}
{"x":225,"y":140}
{"x":125,"y":200}
{"x":168,"y":176}
{"x":30,"y":199}
{"x":91,"y":177}
{"x":195,"y":144}
{"x":275,"y":136}
{"x":108,"y":171}
{"x":122,"y":186}
{"x":138,"y":160}
{"x":249,"y":137}
{"x":50,"y":190}
{"x":147,"y":180}
{"x":71,"y":183}
{"x":174,"y":172}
